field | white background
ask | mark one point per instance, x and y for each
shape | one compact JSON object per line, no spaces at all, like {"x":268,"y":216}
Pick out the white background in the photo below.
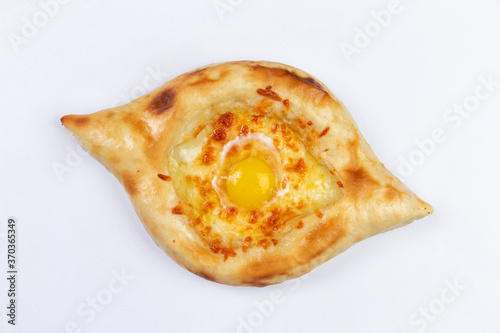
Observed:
{"x":77,"y":229}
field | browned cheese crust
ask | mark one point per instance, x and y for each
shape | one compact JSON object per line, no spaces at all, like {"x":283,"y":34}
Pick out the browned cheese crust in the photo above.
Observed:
{"x":231,"y":99}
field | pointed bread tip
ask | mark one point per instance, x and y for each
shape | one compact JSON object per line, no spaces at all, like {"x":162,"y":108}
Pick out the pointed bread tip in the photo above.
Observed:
{"x":425,"y":209}
{"x":71,"y":121}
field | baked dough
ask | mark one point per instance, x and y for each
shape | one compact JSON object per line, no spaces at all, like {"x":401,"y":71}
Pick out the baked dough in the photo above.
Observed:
{"x":206,"y":110}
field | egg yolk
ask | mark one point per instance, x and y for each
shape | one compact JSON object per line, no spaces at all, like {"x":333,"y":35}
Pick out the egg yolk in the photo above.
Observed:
{"x":250,"y":183}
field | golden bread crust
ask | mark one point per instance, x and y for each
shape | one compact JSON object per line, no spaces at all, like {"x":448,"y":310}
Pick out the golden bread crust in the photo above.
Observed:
{"x":134,"y":143}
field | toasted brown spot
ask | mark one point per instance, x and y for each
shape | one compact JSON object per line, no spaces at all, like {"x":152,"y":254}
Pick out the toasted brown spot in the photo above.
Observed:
{"x":130,"y":184}
{"x":195,"y":222}
{"x":247,"y":243}
{"x":276,"y":142}
{"x":318,"y":214}
{"x":235,"y":150}
{"x":161,"y":102}
{"x":325,"y":131}
{"x":228,"y":252}
{"x":339,"y":184}
{"x":216,"y":247}
{"x":313,"y":82}
{"x":177,"y":210}
{"x":274,"y":218}
{"x":173,"y":241}
{"x":114,"y":159}
{"x":309,"y":80}
{"x":231,"y":212}
{"x":162,"y":177}
{"x":256,"y":118}
{"x":219,"y":134}
{"x":323,"y":237}
{"x":301,"y":123}
{"x":209,"y":206}
{"x":327,"y":149}
{"x":75,"y":119}
{"x":207,"y":230}
{"x":276,"y":221}
{"x":391,"y":193}
{"x":81,"y":120}
{"x":255,"y":216}
{"x":264,"y":243}
{"x":248,"y":146}
{"x":260,"y":272}
{"x":262,"y":107}
{"x":244,"y":130}
{"x":226,"y":120}
{"x":269,"y":93}
{"x":285,"y":72}
{"x":300,"y":225}
{"x":286,"y":103}
{"x":299,"y":167}
{"x":359,"y":181}
{"x":309,"y":123}
{"x":274,"y":241}
{"x":208,"y":156}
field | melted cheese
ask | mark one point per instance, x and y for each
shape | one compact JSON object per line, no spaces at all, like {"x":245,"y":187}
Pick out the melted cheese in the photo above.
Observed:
{"x":225,"y":215}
